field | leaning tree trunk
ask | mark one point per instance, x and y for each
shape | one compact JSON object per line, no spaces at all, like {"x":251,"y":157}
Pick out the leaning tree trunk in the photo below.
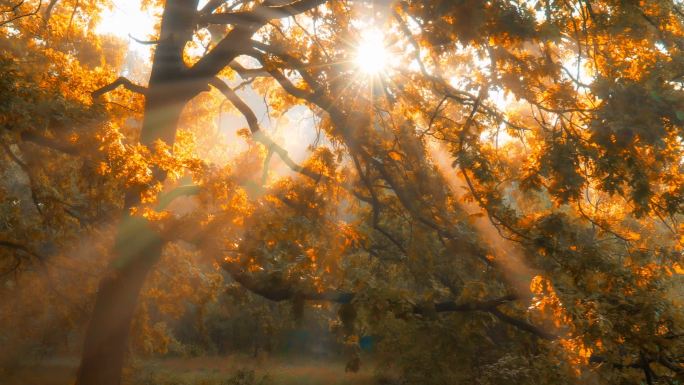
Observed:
{"x":137,"y":248}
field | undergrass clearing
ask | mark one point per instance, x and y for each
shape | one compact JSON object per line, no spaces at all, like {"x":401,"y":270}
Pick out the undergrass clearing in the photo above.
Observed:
{"x":229,"y":370}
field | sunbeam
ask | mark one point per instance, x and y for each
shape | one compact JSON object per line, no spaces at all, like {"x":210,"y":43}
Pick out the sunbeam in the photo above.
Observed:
{"x":372,"y":56}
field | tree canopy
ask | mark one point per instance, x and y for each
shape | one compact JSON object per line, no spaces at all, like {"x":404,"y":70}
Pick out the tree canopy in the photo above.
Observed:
{"x":493,"y":188}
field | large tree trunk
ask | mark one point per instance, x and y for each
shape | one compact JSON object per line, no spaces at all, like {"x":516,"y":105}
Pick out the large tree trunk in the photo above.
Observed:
{"x":105,"y":343}
{"x":137,"y":247}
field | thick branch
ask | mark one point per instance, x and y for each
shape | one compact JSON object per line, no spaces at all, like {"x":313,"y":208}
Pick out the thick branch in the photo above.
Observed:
{"x":17,"y":260}
{"x":671,"y":365}
{"x":238,"y":40}
{"x":22,"y":248}
{"x":211,"y":6}
{"x":48,"y":10}
{"x":292,"y":62}
{"x":274,"y":288}
{"x":341,"y":119}
{"x":54,"y":144}
{"x":450,"y":306}
{"x":121,"y":81}
{"x":230,"y":47}
{"x":522,"y":325}
{"x":248,"y":72}
{"x":262,"y":14}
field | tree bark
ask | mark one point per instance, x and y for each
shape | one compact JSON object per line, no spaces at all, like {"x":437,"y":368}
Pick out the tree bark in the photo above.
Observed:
{"x":106,"y":337}
{"x":137,"y":247}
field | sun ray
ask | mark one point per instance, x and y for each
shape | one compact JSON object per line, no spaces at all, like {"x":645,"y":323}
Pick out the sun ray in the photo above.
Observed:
{"x":372,"y":56}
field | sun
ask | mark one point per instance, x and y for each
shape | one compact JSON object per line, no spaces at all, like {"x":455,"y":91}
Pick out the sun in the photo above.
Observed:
{"x":371,"y":53}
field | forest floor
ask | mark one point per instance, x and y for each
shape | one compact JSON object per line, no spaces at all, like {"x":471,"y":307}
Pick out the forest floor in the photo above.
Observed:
{"x":230,"y":370}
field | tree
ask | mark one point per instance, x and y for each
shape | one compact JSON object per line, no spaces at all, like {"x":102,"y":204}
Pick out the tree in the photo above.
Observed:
{"x":494,"y":180}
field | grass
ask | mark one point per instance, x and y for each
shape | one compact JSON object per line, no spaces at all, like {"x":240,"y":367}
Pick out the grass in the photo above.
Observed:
{"x":231,"y":370}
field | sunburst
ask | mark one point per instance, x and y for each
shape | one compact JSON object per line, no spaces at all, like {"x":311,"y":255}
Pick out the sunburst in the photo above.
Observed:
{"x":372,"y":57}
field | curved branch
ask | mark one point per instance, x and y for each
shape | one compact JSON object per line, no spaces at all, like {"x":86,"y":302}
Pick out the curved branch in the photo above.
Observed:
{"x":262,"y":14}
{"x":17,"y":260}
{"x":523,"y":325}
{"x":256,"y":131}
{"x":145,"y":42}
{"x":248,"y":72}
{"x":32,"y":13}
{"x":211,"y":6}
{"x":274,"y":288}
{"x":259,"y":136}
{"x":239,"y":38}
{"x":22,"y":248}
{"x":121,"y":81}
{"x":342,"y":121}
{"x":44,"y":141}
{"x":29,"y":175}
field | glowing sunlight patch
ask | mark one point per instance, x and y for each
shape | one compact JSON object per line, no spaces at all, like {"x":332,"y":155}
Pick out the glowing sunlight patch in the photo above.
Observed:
{"x":126,"y":17}
{"x":371,"y":54}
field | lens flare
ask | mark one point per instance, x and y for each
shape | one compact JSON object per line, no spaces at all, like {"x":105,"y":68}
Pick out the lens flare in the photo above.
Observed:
{"x":371,"y":53}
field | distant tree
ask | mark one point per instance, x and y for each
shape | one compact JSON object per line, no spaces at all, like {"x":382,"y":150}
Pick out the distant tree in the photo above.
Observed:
{"x":500,"y":203}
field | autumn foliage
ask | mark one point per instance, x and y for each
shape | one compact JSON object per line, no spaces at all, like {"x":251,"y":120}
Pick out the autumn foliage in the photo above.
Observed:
{"x":499,"y":203}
